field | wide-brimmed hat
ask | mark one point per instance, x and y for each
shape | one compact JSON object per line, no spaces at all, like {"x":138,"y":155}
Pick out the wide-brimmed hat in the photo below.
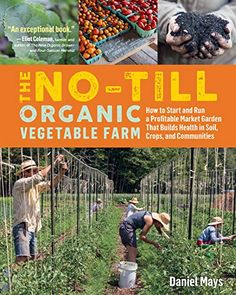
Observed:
{"x":163,"y":218}
{"x":134,"y":201}
{"x":216,"y":220}
{"x":26,"y":165}
{"x":99,"y":200}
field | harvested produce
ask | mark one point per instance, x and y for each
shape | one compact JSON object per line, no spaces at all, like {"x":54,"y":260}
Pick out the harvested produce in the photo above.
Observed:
{"x":147,"y":21}
{"x":136,"y":10}
{"x":141,"y":12}
{"x":98,"y":23}
{"x":87,"y":49}
{"x":101,"y":20}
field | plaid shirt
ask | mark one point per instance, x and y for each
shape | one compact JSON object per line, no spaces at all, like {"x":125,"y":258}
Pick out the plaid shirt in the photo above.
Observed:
{"x":210,"y":235}
{"x":26,"y":201}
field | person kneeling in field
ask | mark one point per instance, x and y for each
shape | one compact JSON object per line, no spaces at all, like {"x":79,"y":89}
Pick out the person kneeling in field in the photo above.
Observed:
{"x":143,"y":220}
{"x":26,"y":206}
{"x":211,"y":234}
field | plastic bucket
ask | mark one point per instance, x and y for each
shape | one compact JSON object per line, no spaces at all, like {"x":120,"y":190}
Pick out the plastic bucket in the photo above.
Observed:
{"x":127,"y":274}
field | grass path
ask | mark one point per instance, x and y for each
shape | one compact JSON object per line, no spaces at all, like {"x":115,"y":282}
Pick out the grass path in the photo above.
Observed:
{"x":100,"y":268}
{"x":112,"y":287}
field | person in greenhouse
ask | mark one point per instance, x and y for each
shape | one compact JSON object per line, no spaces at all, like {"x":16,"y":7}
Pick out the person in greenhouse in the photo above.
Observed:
{"x":143,"y":220}
{"x":211,"y":234}
{"x":26,"y":206}
{"x":131,"y":209}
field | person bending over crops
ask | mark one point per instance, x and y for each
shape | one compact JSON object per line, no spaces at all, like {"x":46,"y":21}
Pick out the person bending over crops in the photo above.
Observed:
{"x":143,"y":220}
{"x":131,"y":209}
{"x":26,"y":206}
{"x":211,"y":234}
{"x":197,"y":32}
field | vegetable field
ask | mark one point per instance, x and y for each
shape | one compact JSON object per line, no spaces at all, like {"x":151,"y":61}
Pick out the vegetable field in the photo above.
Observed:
{"x":79,"y":250}
{"x":192,"y":191}
{"x":67,"y":214}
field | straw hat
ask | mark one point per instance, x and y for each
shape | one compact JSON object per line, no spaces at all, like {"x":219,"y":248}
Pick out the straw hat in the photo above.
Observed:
{"x":216,"y":220}
{"x":134,"y":201}
{"x":26,"y":165}
{"x":99,"y":200}
{"x":163,"y":218}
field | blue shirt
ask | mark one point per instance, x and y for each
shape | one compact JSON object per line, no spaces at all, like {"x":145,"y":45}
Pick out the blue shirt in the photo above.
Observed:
{"x":136,"y":220}
{"x":131,"y":209}
{"x":96,"y":207}
{"x":210,"y":235}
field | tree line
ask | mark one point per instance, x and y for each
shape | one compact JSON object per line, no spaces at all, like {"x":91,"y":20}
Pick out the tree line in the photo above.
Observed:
{"x":127,"y":166}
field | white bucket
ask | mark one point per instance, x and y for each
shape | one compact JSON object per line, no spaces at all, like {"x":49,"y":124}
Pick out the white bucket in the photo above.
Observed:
{"x":127,"y":274}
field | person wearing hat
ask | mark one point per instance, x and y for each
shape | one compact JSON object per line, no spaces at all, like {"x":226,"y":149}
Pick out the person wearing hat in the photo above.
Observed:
{"x":211,"y":234}
{"x":26,"y":206}
{"x":131,"y":209}
{"x":143,"y":220}
{"x":97,"y":206}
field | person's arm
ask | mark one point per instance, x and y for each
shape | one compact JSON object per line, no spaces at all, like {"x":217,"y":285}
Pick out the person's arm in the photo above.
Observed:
{"x":25,"y":184}
{"x":140,"y":209}
{"x":44,"y":186}
{"x":143,"y":235}
{"x":166,"y":11}
{"x":216,"y":239}
{"x":62,"y":171}
{"x":137,"y":209}
{"x":59,"y":159}
{"x":45,"y":171}
{"x":226,"y":238}
{"x":228,"y":12}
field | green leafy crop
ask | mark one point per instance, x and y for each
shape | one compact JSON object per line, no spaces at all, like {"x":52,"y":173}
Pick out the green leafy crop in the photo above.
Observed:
{"x":4,"y":60}
{"x":45,"y":31}
{"x":4,"y":5}
{"x":80,"y":263}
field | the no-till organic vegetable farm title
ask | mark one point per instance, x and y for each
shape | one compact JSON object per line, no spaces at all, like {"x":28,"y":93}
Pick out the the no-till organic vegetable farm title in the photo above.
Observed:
{"x":82,"y":105}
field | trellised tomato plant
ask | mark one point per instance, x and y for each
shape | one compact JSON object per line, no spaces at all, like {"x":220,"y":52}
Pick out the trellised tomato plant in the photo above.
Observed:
{"x":77,"y":262}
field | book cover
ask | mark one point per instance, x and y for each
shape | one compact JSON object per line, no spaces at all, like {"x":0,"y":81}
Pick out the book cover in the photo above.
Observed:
{"x":117,"y":149}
